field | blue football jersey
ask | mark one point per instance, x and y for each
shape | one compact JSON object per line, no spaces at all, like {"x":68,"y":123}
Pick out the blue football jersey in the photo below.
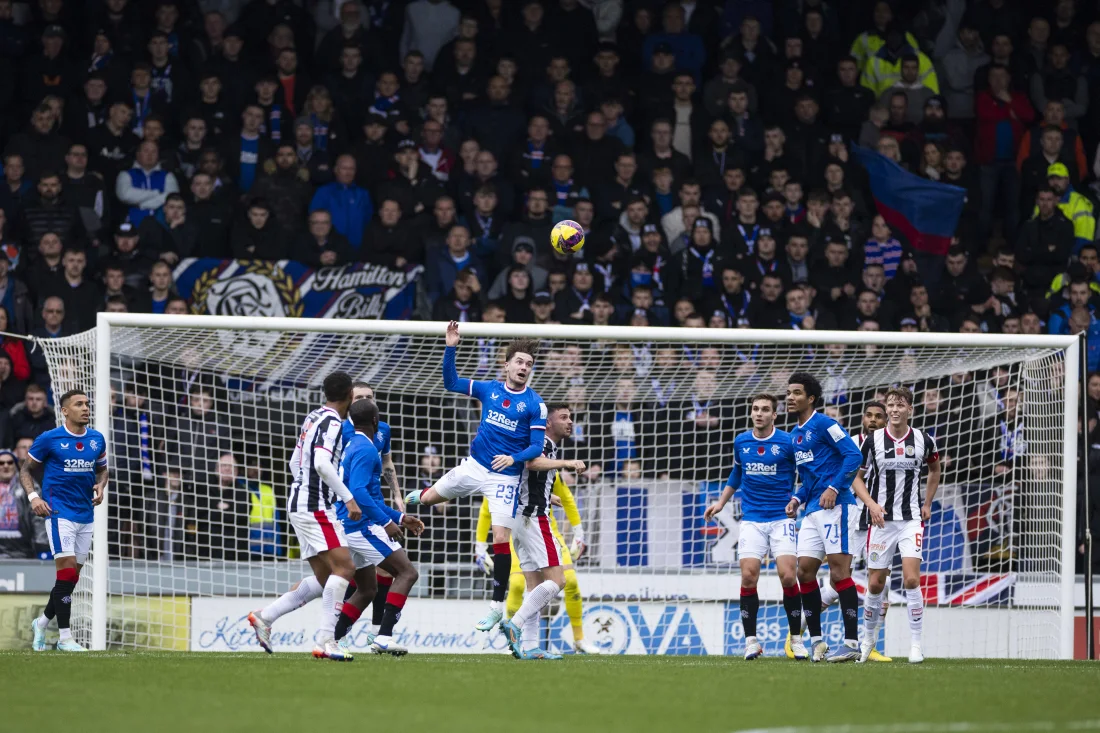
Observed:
{"x":763,"y":475}
{"x":70,"y":463}
{"x":381,"y":438}
{"x":825,"y":456}
{"x":361,"y":471}
{"x":512,"y":423}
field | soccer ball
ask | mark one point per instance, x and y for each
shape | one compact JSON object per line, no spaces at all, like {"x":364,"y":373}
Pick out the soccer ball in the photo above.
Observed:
{"x":567,"y":237}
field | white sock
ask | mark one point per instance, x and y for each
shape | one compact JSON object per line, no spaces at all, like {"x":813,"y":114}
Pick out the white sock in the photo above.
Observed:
{"x":828,"y":596}
{"x":750,"y":640}
{"x":872,"y":615}
{"x":535,"y":600}
{"x":66,"y":634}
{"x":42,"y":622}
{"x":331,"y":596}
{"x":531,"y":633}
{"x":307,"y":590}
{"x":916,"y":613}
{"x":496,"y":606}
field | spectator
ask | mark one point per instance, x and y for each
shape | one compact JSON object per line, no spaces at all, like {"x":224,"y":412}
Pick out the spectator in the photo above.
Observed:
{"x":146,"y":185}
{"x":388,"y":239}
{"x":135,"y":256}
{"x":1002,"y":116}
{"x":50,"y":211}
{"x":428,"y":25}
{"x":41,"y":147}
{"x":534,"y":228}
{"x":461,"y":303}
{"x":34,"y":417}
{"x":349,"y":205}
{"x":286,"y":187}
{"x":1076,"y":207}
{"x":1046,"y":242}
{"x":959,"y":50}
{"x":75,"y":290}
{"x":12,"y":390}
{"x":884,"y":68}
{"x":161,"y":287}
{"x":221,"y":513}
{"x":20,"y":533}
{"x":1057,"y":81}
{"x":1072,"y":151}
{"x":322,"y":245}
{"x":257,"y":235}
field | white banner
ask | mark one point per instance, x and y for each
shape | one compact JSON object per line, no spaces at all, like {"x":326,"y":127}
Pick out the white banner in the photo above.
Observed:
{"x":442,"y":626}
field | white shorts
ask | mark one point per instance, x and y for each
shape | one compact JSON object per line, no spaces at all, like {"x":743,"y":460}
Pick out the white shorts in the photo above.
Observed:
{"x":758,"y":537}
{"x":470,"y":477}
{"x":318,"y":532}
{"x":905,"y":535}
{"x":371,"y":546}
{"x":70,"y":539}
{"x":830,"y":532}
{"x":535,"y":543}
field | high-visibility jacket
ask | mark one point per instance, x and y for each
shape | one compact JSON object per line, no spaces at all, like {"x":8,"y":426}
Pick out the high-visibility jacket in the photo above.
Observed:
{"x":1078,"y":209}
{"x":868,"y":43}
{"x":263,"y":529}
{"x":880,"y":72}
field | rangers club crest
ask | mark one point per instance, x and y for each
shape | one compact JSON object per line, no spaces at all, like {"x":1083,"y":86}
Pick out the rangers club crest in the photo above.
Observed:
{"x":521,"y":406}
{"x":809,"y":435}
{"x":775,"y":450}
{"x":93,"y":444}
{"x":506,"y":403}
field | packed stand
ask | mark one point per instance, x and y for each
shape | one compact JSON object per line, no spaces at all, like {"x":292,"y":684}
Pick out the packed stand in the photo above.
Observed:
{"x":705,"y":148}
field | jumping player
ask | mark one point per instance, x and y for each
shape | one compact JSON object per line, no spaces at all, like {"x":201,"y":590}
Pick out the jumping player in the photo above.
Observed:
{"x":512,"y":429}
{"x":373,"y":538}
{"x":73,"y":461}
{"x":827,"y":462}
{"x":316,"y":485}
{"x":763,"y":471}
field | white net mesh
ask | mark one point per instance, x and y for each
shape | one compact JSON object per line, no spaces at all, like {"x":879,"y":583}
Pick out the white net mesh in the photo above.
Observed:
{"x":204,"y":420}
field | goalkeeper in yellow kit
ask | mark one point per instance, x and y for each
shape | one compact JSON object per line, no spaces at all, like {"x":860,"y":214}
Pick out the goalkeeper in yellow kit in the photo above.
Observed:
{"x":517,"y":584}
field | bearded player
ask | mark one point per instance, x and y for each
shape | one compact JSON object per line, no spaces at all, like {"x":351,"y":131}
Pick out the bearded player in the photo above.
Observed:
{"x":874,"y":418}
{"x":763,"y":471}
{"x":574,"y":605}
{"x":512,"y":430}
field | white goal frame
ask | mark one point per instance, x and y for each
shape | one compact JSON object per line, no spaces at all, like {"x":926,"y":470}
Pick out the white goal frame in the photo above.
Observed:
{"x":1070,"y":345}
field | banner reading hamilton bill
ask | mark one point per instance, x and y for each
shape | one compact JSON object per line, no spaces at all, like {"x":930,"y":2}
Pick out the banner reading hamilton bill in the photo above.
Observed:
{"x":288,"y":288}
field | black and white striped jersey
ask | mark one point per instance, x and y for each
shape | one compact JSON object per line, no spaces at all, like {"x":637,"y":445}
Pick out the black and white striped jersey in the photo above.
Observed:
{"x":534,"y":496}
{"x":320,"y":430}
{"x":892,"y":470}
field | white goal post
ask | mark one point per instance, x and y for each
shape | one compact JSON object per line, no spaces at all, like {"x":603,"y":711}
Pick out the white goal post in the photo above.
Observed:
{"x":201,"y":412}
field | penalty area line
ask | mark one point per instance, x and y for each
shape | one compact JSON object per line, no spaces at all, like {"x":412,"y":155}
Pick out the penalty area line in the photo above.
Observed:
{"x":917,"y":727}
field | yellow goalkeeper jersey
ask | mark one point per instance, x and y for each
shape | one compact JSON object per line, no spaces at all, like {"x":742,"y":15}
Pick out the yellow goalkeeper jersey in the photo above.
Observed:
{"x":568,"y":503}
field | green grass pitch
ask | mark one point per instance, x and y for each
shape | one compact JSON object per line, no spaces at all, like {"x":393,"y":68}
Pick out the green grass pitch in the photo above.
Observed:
{"x":212,"y":693}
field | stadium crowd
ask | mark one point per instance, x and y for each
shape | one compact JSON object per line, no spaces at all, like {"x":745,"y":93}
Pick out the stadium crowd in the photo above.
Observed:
{"x":704,"y":146}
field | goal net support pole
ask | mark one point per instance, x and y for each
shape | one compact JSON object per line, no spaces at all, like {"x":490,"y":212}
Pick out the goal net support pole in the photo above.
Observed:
{"x":1047,"y":365}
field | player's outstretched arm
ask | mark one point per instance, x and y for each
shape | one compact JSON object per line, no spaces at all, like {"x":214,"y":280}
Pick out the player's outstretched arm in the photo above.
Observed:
{"x":530,"y":453}
{"x":542,"y":463}
{"x":26,"y":479}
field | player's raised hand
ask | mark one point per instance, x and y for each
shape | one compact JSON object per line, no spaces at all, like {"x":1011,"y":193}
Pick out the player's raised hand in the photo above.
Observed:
{"x":500,"y":462}
{"x":712,"y":511}
{"x":452,"y":338}
{"x":878,"y":516}
{"x":40,"y":507}
{"x":354,"y":512}
{"x":412,"y":524}
{"x":792,"y":507}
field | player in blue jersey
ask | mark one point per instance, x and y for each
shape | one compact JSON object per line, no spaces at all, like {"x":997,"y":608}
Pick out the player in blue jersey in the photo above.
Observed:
{"x":381,"y":440}
{"x":827,"y":461}
{"x":373,"y":538}
{"x":73,"y":460}
{"x":763,"y":476}
{"x":512,"y":429}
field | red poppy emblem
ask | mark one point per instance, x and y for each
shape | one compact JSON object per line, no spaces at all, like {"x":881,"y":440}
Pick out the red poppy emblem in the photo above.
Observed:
{"x":760,"y":450}
{"x":899,"y":451}
{"x":506,"y":403}
{"x":80,"y":446}
{"x":798,"y":439}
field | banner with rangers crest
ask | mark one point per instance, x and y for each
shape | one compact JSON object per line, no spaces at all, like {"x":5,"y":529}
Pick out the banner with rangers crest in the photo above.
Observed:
{"x":288,"y":288}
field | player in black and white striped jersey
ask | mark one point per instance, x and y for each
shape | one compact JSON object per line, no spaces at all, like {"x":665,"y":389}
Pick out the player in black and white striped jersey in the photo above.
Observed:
{"x":316,"y":484}
{"x":893,"y":460}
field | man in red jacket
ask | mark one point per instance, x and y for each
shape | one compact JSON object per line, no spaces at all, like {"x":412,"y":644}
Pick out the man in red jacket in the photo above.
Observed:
{"x":1002,"y":117}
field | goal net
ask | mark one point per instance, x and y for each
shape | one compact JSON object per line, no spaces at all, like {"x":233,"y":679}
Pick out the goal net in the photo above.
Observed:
{"x":201,"y":414}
